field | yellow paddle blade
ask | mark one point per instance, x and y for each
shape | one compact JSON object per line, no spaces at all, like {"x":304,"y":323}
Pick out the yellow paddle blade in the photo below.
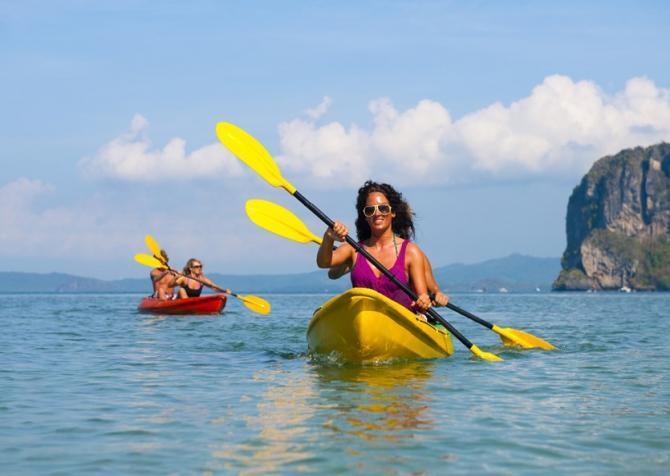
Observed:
{"x":484,"y":355}
{"x":280,"y":221}
{"x":252,"y":153}
{"x":149,"y":261}
{"x":515,"y":337}
{"x":256,"y":304}
{"x":153,"y":247}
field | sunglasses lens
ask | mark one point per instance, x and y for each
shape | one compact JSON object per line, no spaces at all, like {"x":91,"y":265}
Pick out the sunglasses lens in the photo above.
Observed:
{"x":370,"y":210}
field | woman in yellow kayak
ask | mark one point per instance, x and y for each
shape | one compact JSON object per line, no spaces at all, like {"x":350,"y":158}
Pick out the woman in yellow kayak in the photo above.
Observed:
{"x":191,"y":284}
{"x":436,"y":295}
{"x":384,"y":227}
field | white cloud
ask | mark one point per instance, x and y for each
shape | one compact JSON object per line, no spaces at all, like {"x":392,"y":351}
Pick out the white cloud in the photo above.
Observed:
{"x":325,"y":152}
{"x":20,"y":193}
{"x":34,"y":229}
{"x":560,"y":128}
{"x":16,"y":199}
{"x":130,"y":157}
{"x":98,"y":234}
{"x":321,"y":109}
{"x":413,"y":140}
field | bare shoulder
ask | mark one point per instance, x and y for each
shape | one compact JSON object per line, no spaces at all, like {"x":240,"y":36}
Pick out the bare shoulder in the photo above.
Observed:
{"x":413,"y":251}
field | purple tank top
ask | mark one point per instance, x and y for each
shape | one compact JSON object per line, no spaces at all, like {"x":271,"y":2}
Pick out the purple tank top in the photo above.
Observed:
{"x":362,"y":276}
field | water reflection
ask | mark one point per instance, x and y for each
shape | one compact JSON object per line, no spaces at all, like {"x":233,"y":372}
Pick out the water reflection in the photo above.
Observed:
{"x":277,"y":430}
{"x":298,"y":416}
{"x":387,"y":403}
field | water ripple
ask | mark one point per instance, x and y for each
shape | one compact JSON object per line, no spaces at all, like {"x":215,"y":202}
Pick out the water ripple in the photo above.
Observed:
{"x":90,"y":386}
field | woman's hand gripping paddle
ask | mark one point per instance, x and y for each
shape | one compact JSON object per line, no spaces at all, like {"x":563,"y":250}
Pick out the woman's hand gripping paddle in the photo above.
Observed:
{"x":252,"y":153}
{"x":280,"y":221}
{"x":254,"y":303}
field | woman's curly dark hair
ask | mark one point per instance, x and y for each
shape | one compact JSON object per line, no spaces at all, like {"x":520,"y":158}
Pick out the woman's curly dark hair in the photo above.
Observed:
{"x":402,"y":224}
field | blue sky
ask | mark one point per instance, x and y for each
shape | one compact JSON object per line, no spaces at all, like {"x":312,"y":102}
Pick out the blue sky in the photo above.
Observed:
{"x":485,"y":114}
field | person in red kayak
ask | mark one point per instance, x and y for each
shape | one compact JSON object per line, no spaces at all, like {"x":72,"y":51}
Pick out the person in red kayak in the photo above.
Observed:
{"x":384,"y":227}
{"x":163,"y":280}
{"x":191,"y":284}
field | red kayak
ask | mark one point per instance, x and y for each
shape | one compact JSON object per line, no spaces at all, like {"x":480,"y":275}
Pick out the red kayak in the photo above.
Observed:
{"x":212,"y":304}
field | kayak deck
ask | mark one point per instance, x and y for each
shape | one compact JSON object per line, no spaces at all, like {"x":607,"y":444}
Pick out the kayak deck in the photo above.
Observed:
{"x":363,"y":325}
{"x":212,"y":304}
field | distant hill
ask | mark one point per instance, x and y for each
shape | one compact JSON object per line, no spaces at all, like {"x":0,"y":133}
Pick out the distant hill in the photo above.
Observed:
{"x":516,"y":273}
{"x":15,"y":282}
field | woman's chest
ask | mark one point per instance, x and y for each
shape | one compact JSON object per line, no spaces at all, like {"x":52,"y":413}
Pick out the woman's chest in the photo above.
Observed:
{"x":387,"y":257}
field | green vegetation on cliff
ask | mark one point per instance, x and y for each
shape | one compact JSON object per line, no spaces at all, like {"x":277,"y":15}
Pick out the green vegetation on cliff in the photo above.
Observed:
{"x":618,"y":224}
{"x":645,"y":264}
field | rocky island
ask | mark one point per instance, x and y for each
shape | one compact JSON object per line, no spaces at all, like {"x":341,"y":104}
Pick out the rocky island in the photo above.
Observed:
{"x":618,"y":224}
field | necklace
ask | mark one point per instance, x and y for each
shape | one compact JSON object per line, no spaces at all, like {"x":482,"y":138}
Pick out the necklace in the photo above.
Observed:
{"x":395,"y":245}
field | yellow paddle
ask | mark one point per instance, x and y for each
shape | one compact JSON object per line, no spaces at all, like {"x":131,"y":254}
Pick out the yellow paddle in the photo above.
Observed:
{"x":155,"y":249}
{"x":279,"y":220}
{"x":282,"y":222}
{"x":252,"y":153}
{"x":255,"y":303}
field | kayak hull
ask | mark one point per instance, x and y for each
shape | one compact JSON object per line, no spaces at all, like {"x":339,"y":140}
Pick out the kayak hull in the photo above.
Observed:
{"x":362,"y":325}
{"x":212,"y":304}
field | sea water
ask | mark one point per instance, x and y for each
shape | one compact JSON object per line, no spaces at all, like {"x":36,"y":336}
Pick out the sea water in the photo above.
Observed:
{"x":88,"y":385}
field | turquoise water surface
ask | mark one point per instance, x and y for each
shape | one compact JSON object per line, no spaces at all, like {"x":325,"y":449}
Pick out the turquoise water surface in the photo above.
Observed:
{"x":88,"y":385}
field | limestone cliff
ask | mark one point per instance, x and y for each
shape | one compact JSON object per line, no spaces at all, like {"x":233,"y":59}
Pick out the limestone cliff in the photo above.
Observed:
{"x":618,"y":224}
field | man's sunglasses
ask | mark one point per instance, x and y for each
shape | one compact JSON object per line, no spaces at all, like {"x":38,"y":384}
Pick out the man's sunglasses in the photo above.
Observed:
{"x":383,"y":209}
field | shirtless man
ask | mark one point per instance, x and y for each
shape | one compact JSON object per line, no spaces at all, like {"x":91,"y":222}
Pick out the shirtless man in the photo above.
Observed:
{"x":164,"y":281}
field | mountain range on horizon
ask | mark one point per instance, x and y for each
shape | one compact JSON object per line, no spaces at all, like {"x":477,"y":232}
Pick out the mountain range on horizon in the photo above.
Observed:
{"x":514,"y":273}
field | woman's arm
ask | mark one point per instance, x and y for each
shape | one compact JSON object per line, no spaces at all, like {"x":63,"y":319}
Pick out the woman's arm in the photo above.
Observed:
{"x":182,"y":282}
{"x":338,"y":271}
{"x":439,"y":299}
{"x":326,"y":257}
{"x":210,"y":283}
{"x":417,"y":274}
{"x":207,"y":282}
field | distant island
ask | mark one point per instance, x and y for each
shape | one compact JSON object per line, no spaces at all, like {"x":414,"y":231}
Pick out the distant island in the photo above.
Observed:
{"x":514,"y":273}
{"x":618,"y":224}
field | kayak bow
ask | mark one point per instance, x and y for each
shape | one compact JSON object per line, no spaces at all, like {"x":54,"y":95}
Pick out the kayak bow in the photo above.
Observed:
{"x":363,"y":325}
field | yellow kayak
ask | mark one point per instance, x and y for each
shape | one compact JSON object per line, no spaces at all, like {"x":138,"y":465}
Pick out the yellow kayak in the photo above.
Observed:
{"x":362,"y":325}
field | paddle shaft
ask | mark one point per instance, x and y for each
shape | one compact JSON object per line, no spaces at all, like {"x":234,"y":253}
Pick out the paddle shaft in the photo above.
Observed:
{"x":287,"y":225}
{"x":431,"y":312}
{"x":465,"y":313}
{"x":213,"y":286}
